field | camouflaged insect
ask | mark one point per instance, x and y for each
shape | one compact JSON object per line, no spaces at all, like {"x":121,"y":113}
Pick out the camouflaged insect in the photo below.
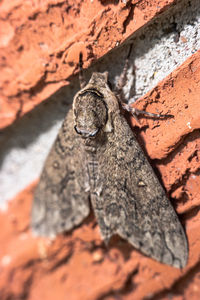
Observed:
{"x":97,"y":158}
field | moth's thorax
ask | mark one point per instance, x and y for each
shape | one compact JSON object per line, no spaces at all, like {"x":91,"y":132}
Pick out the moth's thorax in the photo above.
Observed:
{"x":90,"y":113}
{"x":93,"y":107}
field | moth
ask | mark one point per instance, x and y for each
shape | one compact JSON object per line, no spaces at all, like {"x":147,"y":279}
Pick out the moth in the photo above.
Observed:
{"x":97,"y":160}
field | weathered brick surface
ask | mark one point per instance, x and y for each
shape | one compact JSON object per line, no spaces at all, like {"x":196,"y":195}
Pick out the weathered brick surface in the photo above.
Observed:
{"x":77,"y":265}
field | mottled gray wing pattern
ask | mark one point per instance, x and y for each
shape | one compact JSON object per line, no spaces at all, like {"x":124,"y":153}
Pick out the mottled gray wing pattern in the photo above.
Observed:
{"x":61,"y":201}
{"x":133,"y":203}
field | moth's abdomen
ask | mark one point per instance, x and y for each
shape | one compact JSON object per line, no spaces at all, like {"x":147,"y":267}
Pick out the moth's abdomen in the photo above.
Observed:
{"x":93,"y":169}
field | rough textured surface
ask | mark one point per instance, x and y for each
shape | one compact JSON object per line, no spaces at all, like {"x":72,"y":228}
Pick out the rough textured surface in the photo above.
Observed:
{"x":40,"y":43}
{"x":78,"y":264}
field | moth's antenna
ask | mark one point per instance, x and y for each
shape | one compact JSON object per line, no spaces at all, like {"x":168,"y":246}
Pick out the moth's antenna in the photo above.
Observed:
{"x":122,"y":79}
{"x":81,"y":77}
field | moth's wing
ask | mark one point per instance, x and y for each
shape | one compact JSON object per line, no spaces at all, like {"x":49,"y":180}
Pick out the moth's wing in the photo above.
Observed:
{"x":132,"y":201}
{"x":61,"y":201}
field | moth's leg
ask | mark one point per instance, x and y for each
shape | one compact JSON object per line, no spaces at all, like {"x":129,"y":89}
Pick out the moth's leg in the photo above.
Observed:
{"x":136,"y":112}
{"x":122,"y":79}
{"x":81,"y":77}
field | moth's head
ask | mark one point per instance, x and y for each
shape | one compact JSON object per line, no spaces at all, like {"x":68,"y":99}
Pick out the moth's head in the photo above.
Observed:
{"x":90,"y":113}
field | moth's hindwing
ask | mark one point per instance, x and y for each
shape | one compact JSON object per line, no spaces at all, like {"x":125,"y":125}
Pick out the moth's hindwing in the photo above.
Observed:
{"x":60,"y":200}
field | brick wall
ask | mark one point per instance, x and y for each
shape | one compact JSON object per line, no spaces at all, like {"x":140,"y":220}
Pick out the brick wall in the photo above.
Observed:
{"x":39,"y":45}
